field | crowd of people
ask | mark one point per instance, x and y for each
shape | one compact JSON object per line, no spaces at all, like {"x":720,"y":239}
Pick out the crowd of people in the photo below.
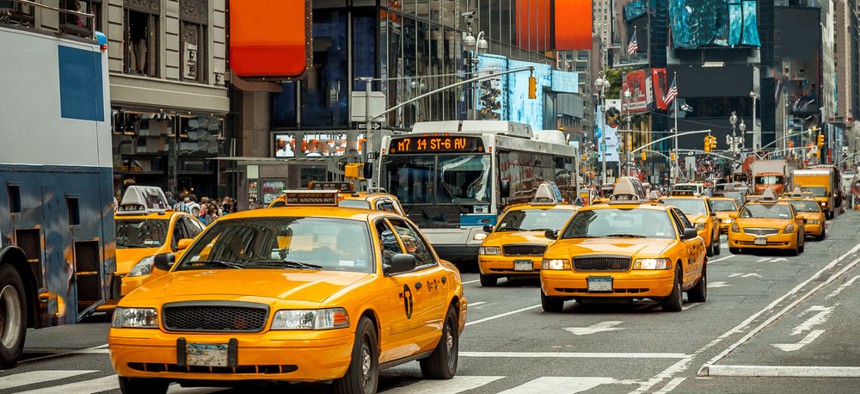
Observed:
{"x":206,"y":209}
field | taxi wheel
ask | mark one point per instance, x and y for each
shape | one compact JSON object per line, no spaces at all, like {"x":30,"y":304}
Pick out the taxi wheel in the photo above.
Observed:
{"x":716,"y":243}
{"x":735,"y":250}
{"x":13,"y":316}
{"x":699,"y":293}
{"x":362,"y":376}
{"x":551,"y":304}
{"x":488,"y":280}
{"x":801,"y":244}
{"x":142,"y":386}
{"x":442,"y":363}
{"x":822,"y":235}
{"x":675,"y":301}
{"x":709,"y":250}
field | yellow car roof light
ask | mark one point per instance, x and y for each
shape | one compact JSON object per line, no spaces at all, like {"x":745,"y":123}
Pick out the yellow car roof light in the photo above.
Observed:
{"x":768,"y":196}
{"x":797,"y":193}
{"x":628,"y":190}
{"x":142,"y":200}
{"x":547,"y":194}
{"x":311,"y":197}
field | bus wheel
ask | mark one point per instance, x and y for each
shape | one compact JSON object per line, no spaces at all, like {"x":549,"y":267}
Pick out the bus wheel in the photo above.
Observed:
{"x":13,"y":316}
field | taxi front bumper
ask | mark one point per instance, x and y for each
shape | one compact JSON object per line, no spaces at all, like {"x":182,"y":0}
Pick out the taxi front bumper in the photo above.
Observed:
{"x":507,"y":265}
{"x":274,"y":355}
{"x":627,"y":284}
{"x":776,"y":241}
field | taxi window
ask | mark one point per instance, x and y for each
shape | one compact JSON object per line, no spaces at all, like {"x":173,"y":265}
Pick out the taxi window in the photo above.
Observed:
{"x":283,"y":243}
{"x":141,"y":233}
{"x":676,"y":220}
{"x":766,"y":211}
{"x":414,"y":244}
{"x":817,"y":191}
{"x":722,"y":205}
{"x":621,"y":223}
{"x":805,"y":206}
{"x":385,"y":205}
{"x":278,"y":204}
{"x":194,"y":227}
{"x":354,"y":204}
{"x":387,"y":240}
{"x":690,"y":206}
{"x":534,"y":220}
{"x":684,"y":221}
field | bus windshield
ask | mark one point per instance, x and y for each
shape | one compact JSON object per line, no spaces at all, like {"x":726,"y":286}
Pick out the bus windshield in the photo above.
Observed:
{"x":439,"y":179}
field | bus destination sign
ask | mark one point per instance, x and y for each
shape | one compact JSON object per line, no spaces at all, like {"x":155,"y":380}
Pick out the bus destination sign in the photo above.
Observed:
{"x":436,"y":144}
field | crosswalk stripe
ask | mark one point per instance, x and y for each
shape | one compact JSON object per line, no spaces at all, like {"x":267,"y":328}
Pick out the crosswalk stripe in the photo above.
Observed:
{"x":571,"y":355}
{"x":559,"y":385}
{"x":457,"y":384}
{"x":106,"y":383}
{"x":33,"y":377}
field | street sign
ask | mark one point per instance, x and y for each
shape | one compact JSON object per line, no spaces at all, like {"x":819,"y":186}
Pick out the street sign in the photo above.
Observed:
{"x":358,"y":111}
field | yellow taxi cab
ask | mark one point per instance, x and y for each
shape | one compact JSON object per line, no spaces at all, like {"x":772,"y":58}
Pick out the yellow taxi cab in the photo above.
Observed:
{"x":301,"y":293}
{"x":631,"y":248}
{"x":516,"y":245}
{"x":145,"y":227}
{"x":767,"y":224}
{"x":375,"y":199}
{"x":723,"y":206}
{"x":698,"y":210}
{"x":809,"y":210}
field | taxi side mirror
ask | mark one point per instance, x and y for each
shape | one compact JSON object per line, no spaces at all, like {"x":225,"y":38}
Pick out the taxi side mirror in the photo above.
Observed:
{"x":163,"y":261}
{"x":551,"y":234}
{"x":184,"y":243}
{"x":690,"y":233}
{"x":488,"y":229}
{"x":733,"y":215}
{"x":400,"y":262}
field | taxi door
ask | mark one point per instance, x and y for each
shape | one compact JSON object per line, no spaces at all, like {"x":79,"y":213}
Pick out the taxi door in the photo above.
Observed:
{"x":691,"y":254}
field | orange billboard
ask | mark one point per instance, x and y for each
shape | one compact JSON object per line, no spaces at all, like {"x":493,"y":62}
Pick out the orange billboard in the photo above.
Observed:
{"x":573,"y":25}
{"x":270,"y":38}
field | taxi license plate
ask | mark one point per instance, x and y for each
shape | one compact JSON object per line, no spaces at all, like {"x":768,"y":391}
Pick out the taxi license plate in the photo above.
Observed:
{"x":760,"y":241}
{"x":206,"y":355}
{"x":523,"y":265}
{"x":600,"y":284}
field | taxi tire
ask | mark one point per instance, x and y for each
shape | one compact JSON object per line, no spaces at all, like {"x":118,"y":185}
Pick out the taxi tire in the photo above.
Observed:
{"x":675,"y":301}
{"x":142,"y":385}
{"x":365,"y":349}
{"x":716,"y":243}
{"x":735,"y":250}
{"x":709,"y":251}
{"x":821,"y":236}
{"x":488,"y":280}
{"x":699,"y":293}
{"x":442,"y":363}
{"x":551,"y":304}
{"x":13,"y":325}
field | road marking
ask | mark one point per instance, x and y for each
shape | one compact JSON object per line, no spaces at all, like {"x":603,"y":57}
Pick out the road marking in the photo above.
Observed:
{"x":471,"y":281}
{"x":560,"y":385}
{"x":818,"y":318}
{"x":764,"y":260}
{"x":714,"y":285}
{"x":570,"y":355}
{"x":784,"y":371}
{"x":735,"y":275}
{"x":842,"y":287}
{"x":742,"y":275}
{"x":721,"y":258}
{"x":477,"y":303}
{"x":672,"y":385}
{"x":456,"y":384}
{"x":502,"y":315}
{"x":595,"y":328}
{"x":86,"y":387}
{"x":686,"y":307}
{"x":779,"y":259}
{"x":28,"y":378}
{"x":790,"y":347}
{"x":750,"y":275}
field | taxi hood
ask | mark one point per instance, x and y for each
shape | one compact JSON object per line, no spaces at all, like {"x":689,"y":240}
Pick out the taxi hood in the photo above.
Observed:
{"x":307,"y":286}
{"x":519,"y":237}
{"x":613,"y":246}
{"x":698,"y":218}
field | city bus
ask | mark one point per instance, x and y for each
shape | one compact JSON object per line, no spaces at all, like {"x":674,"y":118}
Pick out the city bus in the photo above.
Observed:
{"x":454,"y":177}
{"x":56,"y":200}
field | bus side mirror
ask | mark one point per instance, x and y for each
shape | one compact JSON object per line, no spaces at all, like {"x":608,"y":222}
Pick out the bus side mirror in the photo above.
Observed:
{"x":368,"y":170}
{"x":505,"y":188}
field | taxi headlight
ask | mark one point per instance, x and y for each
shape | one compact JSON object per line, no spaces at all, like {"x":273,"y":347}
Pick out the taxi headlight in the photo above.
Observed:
{"x":700,"y":226}
{"x":789,"y":229}
{"x":555,"y":264}
{"x":310,"y":319}
{"x":143,"y":267}
{"x":727,"y":220}
{"x":824,"y":203}
{"x":652,"y":264}
{"x":491,"y":250}
{"x":813,"y":221}
{"x":735,"y":228}
{"x":479,"y":236}
{"x":135,"y":318}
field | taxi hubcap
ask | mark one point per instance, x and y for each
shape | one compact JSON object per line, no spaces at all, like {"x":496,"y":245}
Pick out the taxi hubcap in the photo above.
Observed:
{"x":449,"y":344}
{"x":365,"y":362}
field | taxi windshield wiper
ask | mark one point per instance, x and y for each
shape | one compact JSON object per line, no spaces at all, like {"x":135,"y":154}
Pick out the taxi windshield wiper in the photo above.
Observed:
{"x":509,"y":229}
{"x":623,"y":235}
{"x":289,"y":263}
{"x":228,"y":264}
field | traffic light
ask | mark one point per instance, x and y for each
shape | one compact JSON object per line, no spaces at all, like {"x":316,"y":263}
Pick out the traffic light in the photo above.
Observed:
{"x":644,"y":156}
{"x":820,"y":140}
{"x":532,"y":87}
{"x":713,"y":143}
{"x":707,"y":143}
{"x":673,"y":156}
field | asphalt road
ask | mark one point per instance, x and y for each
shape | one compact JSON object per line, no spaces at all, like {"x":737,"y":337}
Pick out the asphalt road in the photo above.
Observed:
{"x":772,"y":324}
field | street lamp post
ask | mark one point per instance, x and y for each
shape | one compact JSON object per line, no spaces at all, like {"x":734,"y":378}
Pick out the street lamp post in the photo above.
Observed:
{"x":733,"y":140}
{"x":742,"y":128}
{"x":628,"y":141}
{"x":475,"y":46}
{"x":602,"y":86}
{"x":756,"y":143}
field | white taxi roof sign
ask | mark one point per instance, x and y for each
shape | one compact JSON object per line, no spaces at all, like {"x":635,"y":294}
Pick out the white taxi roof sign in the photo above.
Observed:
{"x":139,"y":200}
{"x":768,"y":196}
{"x":547,"y":194}
{"x":628,"y":190}
{"x":311,"y":197}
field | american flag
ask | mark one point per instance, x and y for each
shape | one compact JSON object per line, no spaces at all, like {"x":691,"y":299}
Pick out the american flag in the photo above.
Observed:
{"x":671,"y":93}
{"x":632,"y":47}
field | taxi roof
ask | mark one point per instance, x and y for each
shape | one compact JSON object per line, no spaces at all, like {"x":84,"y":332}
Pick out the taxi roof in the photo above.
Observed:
{"x":141,"y":200}
{"x":307,"y":211}
{"x":628,"y":192}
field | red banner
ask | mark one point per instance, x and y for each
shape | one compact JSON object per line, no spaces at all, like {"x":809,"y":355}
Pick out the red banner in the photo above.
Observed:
{"x":634,"y":81}
{"x":658,"y":78}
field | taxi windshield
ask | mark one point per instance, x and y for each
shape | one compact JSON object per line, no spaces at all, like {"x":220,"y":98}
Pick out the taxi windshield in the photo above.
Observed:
{"x":354,"y":204}
{"x":766,"y":211}
{"x":621,"y":223}
{"x":769,"y":180}
{"x":283,"y":243}
{"x":535,"y":220}
{"x":722,"y":205}
{"x":690,"y":206}
{"x":805,"y":206}
{"x":816,"y":191}
{"x":141,"y":233}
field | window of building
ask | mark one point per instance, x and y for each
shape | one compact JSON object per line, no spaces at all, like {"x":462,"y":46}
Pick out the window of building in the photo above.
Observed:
{"x":193,"y":24}
{"x":80,"y":25}
{"x":140,"y":44}
{"x":324,"y":91}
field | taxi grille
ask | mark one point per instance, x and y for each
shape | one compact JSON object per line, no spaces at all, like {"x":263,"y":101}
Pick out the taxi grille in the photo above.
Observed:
{"x":247,"y":369}
{"x":524,"y":250}
{"x":761,"y":231}
{"x":601,"y":264}
{"x":215,"y":318}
